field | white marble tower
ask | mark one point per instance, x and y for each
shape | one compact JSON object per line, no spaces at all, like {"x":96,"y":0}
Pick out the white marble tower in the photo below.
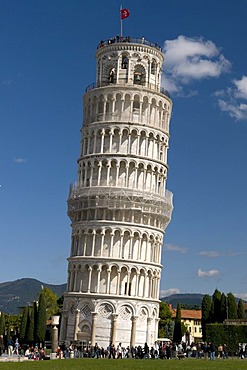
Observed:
{"x":119,"y":207}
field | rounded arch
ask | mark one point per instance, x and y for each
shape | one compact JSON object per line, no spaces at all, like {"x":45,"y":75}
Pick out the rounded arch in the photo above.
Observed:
{"x":105,"y":309}
{"x":125,"y":310}
{"x":139,"y":77}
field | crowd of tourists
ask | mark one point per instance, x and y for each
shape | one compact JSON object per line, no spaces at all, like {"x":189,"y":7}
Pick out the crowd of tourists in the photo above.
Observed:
{"x":13,"y":348}
{"x":161,"y":350}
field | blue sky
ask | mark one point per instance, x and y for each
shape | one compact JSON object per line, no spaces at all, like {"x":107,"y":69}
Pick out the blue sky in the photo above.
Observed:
{"x":47,"y":61}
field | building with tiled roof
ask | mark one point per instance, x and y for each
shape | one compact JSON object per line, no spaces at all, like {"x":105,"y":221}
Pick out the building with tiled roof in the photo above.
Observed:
{"x":192,"y":319}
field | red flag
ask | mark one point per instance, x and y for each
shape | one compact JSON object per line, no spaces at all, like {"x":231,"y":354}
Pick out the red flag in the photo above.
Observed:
{"x":124,"y":13}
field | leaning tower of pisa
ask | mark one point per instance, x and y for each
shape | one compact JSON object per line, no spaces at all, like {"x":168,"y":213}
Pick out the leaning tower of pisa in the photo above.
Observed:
{"x":119,"y":207}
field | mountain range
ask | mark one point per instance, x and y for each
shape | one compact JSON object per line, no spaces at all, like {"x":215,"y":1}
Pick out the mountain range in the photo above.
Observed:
{"x":22,"y":292}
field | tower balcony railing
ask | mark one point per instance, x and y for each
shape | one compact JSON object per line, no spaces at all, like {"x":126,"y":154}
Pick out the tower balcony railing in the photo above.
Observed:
{"x":128,"y":39}
{"x":122,"y":82}
{"x":118,"y":193}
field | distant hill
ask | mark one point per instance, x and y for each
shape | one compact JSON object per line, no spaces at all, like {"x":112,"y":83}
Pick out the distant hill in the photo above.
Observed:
{"x":21,"y":292}
{"x":192,"y":299}
{"x":187,"y":299}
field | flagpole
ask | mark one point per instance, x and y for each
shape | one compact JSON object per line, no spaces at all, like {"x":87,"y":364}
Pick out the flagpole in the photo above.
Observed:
{"x":121,"y":23}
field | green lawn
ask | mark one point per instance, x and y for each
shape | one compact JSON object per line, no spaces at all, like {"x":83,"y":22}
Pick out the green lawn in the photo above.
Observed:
{"x":106,"y":364}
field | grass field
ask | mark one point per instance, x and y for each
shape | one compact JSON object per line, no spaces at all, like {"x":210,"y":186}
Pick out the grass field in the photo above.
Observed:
{"x":106,"y":364}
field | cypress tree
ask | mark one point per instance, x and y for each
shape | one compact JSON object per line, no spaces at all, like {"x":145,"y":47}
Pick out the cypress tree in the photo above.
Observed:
{"x":30,"y":326}
{"x":177,"y":334}
{"x":2,"y":323}
{"x":223,"y":307}
{"x":35,"y":318}
{"x":41,"y":318}
{"x":206,"y":313}
{"x":232,"y":306}
{"x":241,"y":310}
{"x":23,"y":329}
{"x":216,"y":306}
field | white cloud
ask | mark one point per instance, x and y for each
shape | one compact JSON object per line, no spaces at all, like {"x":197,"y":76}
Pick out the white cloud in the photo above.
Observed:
{"x":241,"y":86}
{"x":175,"y":248}
{"x":188,"y":59}
{"x":235,"y":110}
{"x":20,"y":160}
{"x":166,"y":293}
{"x":209,"y":253}
{"x":209,"y":273}
{"x":214,"y":254}
{"x":233,"y":100}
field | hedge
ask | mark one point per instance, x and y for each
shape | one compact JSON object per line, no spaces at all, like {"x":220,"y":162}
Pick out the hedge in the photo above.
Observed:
{"x":231,"y":335}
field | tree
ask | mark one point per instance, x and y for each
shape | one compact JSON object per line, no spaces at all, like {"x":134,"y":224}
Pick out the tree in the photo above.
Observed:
{"x":216,"y":307}
{"x":2,"y":323}
{"x":12,"y":325}
{"x":165,"y":320}
{"x":35,"y":318}
{"x":51,"y":300}
{"x":232,"y":306}
{"x":41,"y":318}
{"x":30,"y":326}
{"x":241,"y":310}
{"x":177,"y":334}
{"x":223,"y":307}
{"x":23,"y":328}
{"x":60,"y":302}
{"x":206,"y":313}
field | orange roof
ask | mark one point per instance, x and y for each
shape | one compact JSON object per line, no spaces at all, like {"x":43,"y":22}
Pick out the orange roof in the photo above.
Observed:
{"x":188,"y":314}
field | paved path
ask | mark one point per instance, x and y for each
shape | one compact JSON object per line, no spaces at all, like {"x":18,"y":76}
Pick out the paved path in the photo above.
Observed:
{"x":14,"y":358}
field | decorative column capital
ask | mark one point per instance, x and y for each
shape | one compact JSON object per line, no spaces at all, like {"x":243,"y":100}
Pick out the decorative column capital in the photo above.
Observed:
{"x":114,"y":316}
{"x":134,"y":318}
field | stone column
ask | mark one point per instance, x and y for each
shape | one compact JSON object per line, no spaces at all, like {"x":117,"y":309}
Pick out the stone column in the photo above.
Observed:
{"x":110,"y":144}
{"x":118,"y":283}
{"x":94,"y":321}
{"x":85,"y":243}
{"x":156,"y":329}
{"x":102,"y":242}
{"x":130,"y":256}
{"x":94,"y":141}
{"x":75,"y":279}
{"x":108,"y":168}
{"x":93,"y":243}
{"x":144,"y":285}
{"x":88,"y":143}
{"x":117,"y":173}
{"x":111,"y":244}
{"x":104,"y":109}
{"x":108,"y":281}
{"x":89,"y":278}
{"x":133,"y":331}
{"x":137,"y":284}
{"x":77,"y":319}
{"x":114,"y":328}
{"x":98,"y":278}
{"x":102,"y":140}
{"x":54,"y":333}
{"x":63,"y":325}
{"x":149,"y":320}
